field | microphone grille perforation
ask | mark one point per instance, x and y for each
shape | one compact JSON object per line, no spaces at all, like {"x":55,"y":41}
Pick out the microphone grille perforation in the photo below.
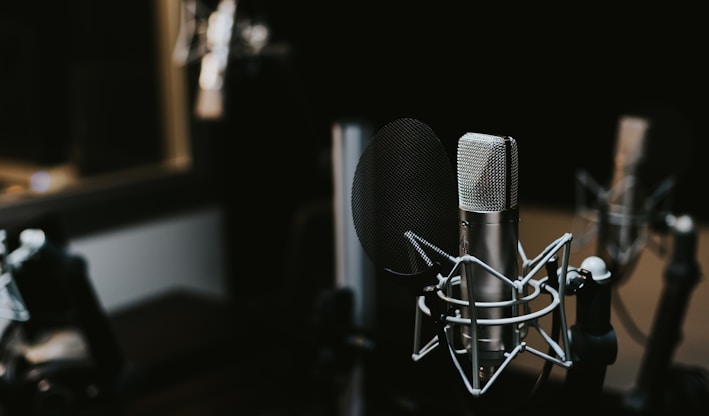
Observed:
{"x":487,"y":172}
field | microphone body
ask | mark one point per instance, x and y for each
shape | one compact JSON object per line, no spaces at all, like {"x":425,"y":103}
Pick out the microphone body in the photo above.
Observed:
{"x":489,"y":217}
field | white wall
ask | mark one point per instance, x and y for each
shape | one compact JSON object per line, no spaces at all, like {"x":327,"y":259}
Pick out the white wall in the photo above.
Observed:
{"x":135,"y":263}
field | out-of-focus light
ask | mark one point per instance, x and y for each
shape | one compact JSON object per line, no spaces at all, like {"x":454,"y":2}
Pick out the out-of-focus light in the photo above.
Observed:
{"x":14,"y":189}
{"x":40,"y":181}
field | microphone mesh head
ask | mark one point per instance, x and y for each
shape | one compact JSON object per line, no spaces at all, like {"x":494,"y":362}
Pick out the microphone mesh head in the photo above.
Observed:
{"x":487,"y":172}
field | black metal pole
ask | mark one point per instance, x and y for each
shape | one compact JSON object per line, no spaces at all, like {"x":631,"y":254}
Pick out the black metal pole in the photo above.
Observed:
{"x":593,"y":341}
{"x":681,"y":276}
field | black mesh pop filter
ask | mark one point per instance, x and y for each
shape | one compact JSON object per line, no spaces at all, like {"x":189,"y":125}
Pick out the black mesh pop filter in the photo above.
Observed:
{"x":405,"y":185}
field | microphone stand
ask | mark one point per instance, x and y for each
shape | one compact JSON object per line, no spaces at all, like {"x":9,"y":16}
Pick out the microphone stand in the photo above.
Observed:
{"x":593,"y":341}
{"x":594,"y":345}
{"x":660,"y":388}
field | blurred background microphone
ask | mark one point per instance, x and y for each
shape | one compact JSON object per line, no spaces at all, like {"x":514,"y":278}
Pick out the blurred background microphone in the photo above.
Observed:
{"x":489,"y":217}
{"x":652,"y":146}
{"x":623,"y":218}
{"x":629,"y":216}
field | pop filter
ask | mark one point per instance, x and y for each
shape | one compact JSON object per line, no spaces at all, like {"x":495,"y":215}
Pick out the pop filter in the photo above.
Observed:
{"x":404,"y":199}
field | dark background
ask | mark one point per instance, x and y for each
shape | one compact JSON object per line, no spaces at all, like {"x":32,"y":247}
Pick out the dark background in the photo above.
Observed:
{"x":557,"y":79}
{"x":80,"y":84}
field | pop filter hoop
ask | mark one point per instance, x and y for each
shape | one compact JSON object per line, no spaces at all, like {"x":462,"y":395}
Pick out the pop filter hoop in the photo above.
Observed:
{"x":524,"y":289}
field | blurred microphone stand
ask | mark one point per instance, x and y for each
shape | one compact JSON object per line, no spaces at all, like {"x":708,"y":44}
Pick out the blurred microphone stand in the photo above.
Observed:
{"x":662,"y":388}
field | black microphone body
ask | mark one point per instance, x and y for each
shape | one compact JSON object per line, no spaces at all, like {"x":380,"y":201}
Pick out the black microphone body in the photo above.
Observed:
{"x":489,"y":217}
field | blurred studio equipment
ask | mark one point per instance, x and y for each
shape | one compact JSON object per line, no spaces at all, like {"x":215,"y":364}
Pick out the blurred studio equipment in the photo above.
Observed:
{"x":59,"y":356}
{"x":636,"y":214}
{"x":215,"y":37}
{"x":354,"y":272}
{"x":623,"y":218}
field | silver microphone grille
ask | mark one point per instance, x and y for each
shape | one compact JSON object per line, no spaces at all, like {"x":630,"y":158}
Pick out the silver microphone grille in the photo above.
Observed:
{"x":487,"y":172}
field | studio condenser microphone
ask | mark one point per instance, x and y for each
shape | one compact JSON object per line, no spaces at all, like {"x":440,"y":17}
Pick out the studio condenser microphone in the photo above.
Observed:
{"x":489,"y":215}
{"x":478,"y":304}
